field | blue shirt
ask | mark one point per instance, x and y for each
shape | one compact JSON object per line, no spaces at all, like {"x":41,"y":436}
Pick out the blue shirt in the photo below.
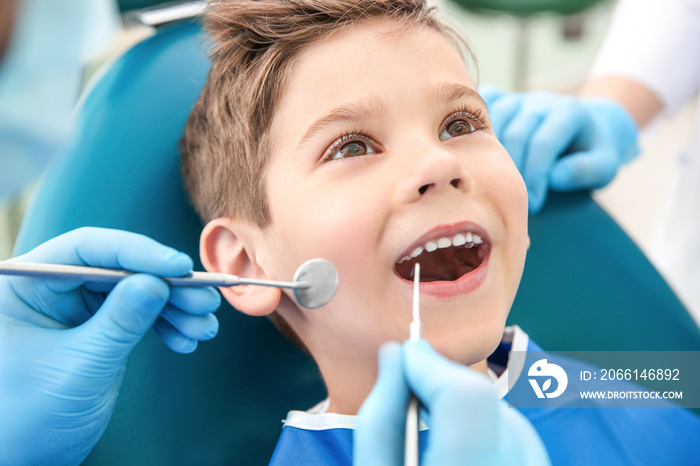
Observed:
{"x":572,"y":436}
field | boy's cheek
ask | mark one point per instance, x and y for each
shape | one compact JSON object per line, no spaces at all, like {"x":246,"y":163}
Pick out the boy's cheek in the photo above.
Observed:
{"x":507,"y":183}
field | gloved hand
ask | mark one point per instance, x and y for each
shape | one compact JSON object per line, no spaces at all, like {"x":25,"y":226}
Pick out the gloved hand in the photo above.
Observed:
{"x":468,"y":423}
{"x":560,"y":141}
{"x":64,"y":344}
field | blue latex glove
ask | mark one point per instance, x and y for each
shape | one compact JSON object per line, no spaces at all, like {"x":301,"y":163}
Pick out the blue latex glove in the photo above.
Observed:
{"x":561,"y":142}
{"x":64,"y":344}
{"x":468,"y":423}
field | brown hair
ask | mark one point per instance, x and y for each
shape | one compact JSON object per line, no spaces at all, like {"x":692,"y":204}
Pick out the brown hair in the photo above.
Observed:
{"x":225,"y":147}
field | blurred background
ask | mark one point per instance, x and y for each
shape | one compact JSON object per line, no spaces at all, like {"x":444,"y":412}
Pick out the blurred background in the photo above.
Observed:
{"x":516,"y":51}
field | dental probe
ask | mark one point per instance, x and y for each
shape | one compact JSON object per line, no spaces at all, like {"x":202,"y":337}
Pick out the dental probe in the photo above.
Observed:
{"x":314,"y":285}
{"x":413,"y":411}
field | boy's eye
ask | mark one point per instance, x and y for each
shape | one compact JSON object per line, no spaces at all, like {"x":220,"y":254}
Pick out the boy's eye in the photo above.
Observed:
{"x":458,"y":124}
{"x":458,"y":128}
{"x":354,"y":148}
{"x":351,"y":145}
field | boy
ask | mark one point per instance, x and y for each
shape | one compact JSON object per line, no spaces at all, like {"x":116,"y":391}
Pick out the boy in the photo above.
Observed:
{"x":352,"y":131}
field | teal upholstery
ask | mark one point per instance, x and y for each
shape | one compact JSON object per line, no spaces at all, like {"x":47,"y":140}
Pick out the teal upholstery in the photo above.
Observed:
{"x":527,"y":7}
{"x":586,"y":286}
{"x":129,"y":5}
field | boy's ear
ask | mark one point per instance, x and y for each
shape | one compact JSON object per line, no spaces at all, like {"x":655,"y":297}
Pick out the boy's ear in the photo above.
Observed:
{"x":222,"y":249}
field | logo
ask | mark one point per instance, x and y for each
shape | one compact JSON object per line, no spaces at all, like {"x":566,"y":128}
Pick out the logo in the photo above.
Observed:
{"x":541,"y":369}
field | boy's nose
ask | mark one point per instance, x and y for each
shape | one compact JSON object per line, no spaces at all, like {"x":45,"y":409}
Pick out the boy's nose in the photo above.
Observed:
{"x":433,"y":171}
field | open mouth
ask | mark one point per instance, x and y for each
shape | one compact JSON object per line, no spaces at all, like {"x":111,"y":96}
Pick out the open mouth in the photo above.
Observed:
{"x":446,"y":258}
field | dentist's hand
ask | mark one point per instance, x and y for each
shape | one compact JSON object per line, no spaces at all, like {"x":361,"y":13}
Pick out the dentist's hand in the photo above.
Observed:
{"x":561,"y":142}
{"x":64,"y":344}
{"x":468,"y":423}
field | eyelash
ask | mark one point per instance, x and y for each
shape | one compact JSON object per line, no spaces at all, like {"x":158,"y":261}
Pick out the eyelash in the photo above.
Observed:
{"x":473,"y":115}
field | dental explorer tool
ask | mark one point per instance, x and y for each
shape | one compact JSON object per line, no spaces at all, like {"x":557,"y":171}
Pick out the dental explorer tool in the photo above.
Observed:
{"x":314,"y":285}
{"x":411,"y":450}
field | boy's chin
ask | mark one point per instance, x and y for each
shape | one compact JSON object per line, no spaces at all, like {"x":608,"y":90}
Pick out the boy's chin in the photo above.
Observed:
{"x":468,"y":346}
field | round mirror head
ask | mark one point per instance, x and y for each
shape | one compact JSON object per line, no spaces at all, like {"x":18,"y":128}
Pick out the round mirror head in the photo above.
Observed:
{"x":322,"y":276}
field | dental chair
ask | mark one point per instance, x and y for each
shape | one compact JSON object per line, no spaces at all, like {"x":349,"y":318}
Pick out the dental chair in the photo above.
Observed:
{"x":586,"y":285}
{"x":571,"y":13}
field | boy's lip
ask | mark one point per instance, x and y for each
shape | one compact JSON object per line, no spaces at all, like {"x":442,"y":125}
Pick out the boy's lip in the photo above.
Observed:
{"x":467,"y":282}
{"x":448,"y":231}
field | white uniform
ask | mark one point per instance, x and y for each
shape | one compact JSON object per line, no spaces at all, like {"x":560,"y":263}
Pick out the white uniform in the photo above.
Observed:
{"x":657,"y":43}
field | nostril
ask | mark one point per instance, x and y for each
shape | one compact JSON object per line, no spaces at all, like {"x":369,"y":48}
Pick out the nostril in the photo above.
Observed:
{"x":455,"y":183}
{"x":423,"y":189}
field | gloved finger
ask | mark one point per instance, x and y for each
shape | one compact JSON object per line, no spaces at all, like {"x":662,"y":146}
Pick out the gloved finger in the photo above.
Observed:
{"x":172,"y":337}
{"x":502,"y":111}
{"x":195,"y":300}
{"x":381,"y":422}
{"x":99,"y":287}
{"x":125,"y":316}
{"x":463,"y":405}
{"x":91,"y":303}
{"x":102,"y":247}
{"x":490,"y":93}
{"x":550,"y":141}
{"x":518,"y":134}
{"x":614,"y":119}
{"x":195,"y":327}
{"x":584,"y":170}
{"x":37,"y":305}
{"x":521,"y":438}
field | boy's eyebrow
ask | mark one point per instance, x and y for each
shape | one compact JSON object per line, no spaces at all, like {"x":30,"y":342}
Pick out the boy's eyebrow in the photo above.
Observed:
{"x":352,"y":112}
{"x":449,"y":92}
{"x":367,"y":108}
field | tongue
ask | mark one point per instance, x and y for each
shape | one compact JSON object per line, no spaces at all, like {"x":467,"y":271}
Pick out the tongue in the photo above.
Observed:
{"x":447,"y":264}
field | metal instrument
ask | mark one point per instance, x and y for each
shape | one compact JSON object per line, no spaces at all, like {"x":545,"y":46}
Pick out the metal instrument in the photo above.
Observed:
{"x":314,"y":285}
{"x":413,"y":411}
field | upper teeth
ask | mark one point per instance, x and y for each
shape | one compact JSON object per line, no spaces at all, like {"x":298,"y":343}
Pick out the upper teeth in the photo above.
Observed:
{"x":468,"y":240}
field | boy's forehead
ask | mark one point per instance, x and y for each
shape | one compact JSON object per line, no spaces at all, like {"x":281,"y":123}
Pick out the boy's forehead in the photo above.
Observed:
{"x":370,"y":53}
{"x":353,"y":74}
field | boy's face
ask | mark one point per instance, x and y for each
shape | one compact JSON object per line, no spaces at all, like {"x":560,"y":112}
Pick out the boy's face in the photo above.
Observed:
{"x":380,"y":146}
